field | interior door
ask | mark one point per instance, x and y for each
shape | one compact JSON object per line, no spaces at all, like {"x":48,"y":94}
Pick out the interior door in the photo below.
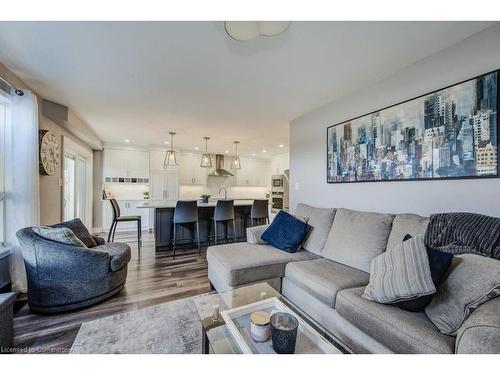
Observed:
{"x":69,"y":188}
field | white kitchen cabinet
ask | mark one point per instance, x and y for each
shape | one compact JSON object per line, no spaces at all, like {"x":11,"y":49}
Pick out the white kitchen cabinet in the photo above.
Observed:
{"x":127,"y":208}
{"x":253,"y":173}
{"x":156,"y":159}
{"x":126,"y":163}
{"x":190,"y":171}
{"x":164,"y":186}
{"x":279,"y":164}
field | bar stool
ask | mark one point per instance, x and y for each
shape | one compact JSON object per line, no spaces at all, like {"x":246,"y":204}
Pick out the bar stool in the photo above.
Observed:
{"x":117,"y":218}
{"x":186,"y":212}
{"x":224,"y":212}
{"x":259,"y":213}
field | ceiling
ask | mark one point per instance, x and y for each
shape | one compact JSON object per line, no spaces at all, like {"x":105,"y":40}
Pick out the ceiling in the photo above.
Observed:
{"x":140,"y":80}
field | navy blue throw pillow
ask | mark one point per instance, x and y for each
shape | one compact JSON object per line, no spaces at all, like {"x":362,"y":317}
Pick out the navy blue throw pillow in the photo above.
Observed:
{"x":286,"y":232}
{"x":439,"y":262}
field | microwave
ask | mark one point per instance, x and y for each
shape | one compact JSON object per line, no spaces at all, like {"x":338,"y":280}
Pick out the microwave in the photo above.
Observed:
{"x":277,"y":181}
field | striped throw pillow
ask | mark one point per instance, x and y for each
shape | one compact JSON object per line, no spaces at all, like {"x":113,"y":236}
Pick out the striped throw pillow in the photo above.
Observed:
{"x":61,"y":235}
{"x":400,"y":274}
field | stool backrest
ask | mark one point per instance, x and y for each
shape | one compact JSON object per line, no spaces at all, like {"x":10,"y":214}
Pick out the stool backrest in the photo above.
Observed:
{"x":116,"y":208}
{"x":224,"y":210}
{"x":260,"y":209}
{"x":186,"y":212}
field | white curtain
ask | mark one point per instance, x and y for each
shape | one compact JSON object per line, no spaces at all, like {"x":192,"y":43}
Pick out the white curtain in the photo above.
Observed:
{"x":21,"y":191}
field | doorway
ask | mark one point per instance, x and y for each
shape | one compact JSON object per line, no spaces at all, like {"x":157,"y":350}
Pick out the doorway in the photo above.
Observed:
{"x":77,"y":183}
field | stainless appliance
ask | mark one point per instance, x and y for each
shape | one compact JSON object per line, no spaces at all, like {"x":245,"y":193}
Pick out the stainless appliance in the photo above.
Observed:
{"x":279,"y":192}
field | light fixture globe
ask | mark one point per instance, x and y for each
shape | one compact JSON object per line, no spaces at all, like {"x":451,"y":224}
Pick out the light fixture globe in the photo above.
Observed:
{"x":242,"y":31}
{"x":271,"y":28}
{"x":206,"y":160}
{"x":170,"y":156}
{"x":236,"y":163}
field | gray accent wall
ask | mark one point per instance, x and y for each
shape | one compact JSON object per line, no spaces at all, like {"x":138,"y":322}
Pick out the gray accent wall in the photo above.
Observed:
{"x":473,"y":56}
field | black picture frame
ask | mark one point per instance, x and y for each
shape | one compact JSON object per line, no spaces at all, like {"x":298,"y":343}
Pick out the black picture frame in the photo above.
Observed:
{"x":497,"y":175}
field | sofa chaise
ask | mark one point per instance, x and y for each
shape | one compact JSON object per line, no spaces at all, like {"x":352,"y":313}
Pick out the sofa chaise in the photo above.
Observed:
{"x":326,"y":280}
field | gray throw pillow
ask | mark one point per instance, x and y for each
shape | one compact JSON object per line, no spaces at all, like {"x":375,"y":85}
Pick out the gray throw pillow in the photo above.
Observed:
{"x":401,"y":273}
{"x":320,"y":220}
{"x":472,"y":280}
{"x":61,"y":235}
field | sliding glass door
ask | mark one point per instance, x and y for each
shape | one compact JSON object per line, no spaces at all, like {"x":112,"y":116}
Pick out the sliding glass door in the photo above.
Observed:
{"x":77,"y":183}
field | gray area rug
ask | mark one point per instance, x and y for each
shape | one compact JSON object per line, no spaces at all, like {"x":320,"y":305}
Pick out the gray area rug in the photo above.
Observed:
{"x":170,"y":328}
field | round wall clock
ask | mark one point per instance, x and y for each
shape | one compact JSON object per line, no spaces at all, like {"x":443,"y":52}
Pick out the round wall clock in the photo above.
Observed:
{"x":49,"y":152}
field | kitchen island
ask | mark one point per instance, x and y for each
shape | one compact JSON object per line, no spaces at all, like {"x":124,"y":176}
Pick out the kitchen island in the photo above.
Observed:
{"x":163,"y":223}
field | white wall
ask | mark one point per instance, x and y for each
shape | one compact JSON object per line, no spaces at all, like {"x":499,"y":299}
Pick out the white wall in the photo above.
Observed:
{"x":474,"y":56}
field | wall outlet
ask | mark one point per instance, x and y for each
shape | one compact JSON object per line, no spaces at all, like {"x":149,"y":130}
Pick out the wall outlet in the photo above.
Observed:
{"x":59,"y":182}
{"x":297,"y":186}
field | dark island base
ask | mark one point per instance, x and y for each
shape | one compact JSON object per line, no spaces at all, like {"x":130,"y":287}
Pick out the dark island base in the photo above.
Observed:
{"x":164,"y":228}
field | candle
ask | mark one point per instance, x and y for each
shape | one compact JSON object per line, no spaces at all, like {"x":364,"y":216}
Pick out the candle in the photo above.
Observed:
{"x":216,"y":313}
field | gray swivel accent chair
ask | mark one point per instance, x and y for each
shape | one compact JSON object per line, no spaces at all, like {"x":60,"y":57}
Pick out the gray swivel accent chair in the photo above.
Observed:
{"x":186,"y":212}
{"x":64,"y":277}
{"x":223,"y":213}
{"x":6,"y":319}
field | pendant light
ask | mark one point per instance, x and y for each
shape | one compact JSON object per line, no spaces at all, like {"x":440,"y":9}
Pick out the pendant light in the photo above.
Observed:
{"x":235,"y":163}
{"x":170,"y":155}
{"x":206,"y":160}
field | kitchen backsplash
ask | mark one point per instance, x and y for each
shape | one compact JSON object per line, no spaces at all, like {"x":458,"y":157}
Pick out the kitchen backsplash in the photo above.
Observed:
{"x":215,"y":183}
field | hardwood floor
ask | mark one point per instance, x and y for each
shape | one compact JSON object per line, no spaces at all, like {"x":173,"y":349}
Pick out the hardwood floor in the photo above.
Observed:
{"x":153,"y":278}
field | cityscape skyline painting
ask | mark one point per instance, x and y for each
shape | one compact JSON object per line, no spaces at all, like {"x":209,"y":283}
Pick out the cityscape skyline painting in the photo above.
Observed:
{"x":449,"y":133}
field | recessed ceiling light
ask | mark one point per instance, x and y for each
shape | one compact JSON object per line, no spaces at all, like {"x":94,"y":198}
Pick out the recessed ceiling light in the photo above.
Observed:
{"x":281,"y":146}
{"x":196,"y":148}
{"x":254,"y":154}
{"x":264,"y":150}
{"x":127,"y":140}
{"x":227,"y":151}
{"x":166,"y":142}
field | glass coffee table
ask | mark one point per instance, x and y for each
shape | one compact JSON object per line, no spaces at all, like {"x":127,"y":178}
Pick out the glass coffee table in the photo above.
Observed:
{"x":217,"y":339}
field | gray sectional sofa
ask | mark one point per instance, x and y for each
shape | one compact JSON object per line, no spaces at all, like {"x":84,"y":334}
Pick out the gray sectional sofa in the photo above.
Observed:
{"x":326,"y":279}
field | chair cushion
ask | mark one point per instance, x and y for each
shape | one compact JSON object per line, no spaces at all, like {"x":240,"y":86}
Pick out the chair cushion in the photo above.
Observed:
{"x":286,"y":232}
{"x":128,"y":218}
{"x":60,"y":235}
{"x":404,"y":224}
{"x":324,"y":278}
{"x":244,"y":263}
{"x":472,"y":281}
{"x":400,"y":331}
{"x":320,"y":220}
{"x":79,"y":229}
{"x":119,"y":254}
{"x":357,"y":237}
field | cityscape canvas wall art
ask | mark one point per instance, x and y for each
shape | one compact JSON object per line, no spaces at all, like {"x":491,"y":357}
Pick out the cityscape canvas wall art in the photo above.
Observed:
{"x":450,"y":133}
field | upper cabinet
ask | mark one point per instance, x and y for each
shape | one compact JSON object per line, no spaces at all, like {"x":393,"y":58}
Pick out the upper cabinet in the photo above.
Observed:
{"x":126,"y":163}
{"x":253,"y":173}
{"x":190,"y":171}
{"x":156,"y":161}
{"x":279,"y":164}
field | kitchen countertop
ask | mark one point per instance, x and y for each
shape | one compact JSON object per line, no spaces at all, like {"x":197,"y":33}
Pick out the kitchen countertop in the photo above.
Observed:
{"x":172,"y":203}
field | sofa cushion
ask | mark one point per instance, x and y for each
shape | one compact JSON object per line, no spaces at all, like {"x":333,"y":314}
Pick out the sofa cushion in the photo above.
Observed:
{"x":472,"y":281}
{"x":320,"y":220}
{"x":254,"y":234}
{"x":357,"y":237}
{"x":60,"y":235}
{"x":80,"y":230}
{"x":400,"y":274}
{"x":244,"y":263}
{"x":399,"y":330}
{"x":324,"y":278}
{"x":404,"y":224}
{"x":119,"y":254}
{"x":286,"y":232}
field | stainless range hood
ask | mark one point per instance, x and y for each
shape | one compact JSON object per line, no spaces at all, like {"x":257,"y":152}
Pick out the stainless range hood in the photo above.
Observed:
{"x":219,"y":168}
